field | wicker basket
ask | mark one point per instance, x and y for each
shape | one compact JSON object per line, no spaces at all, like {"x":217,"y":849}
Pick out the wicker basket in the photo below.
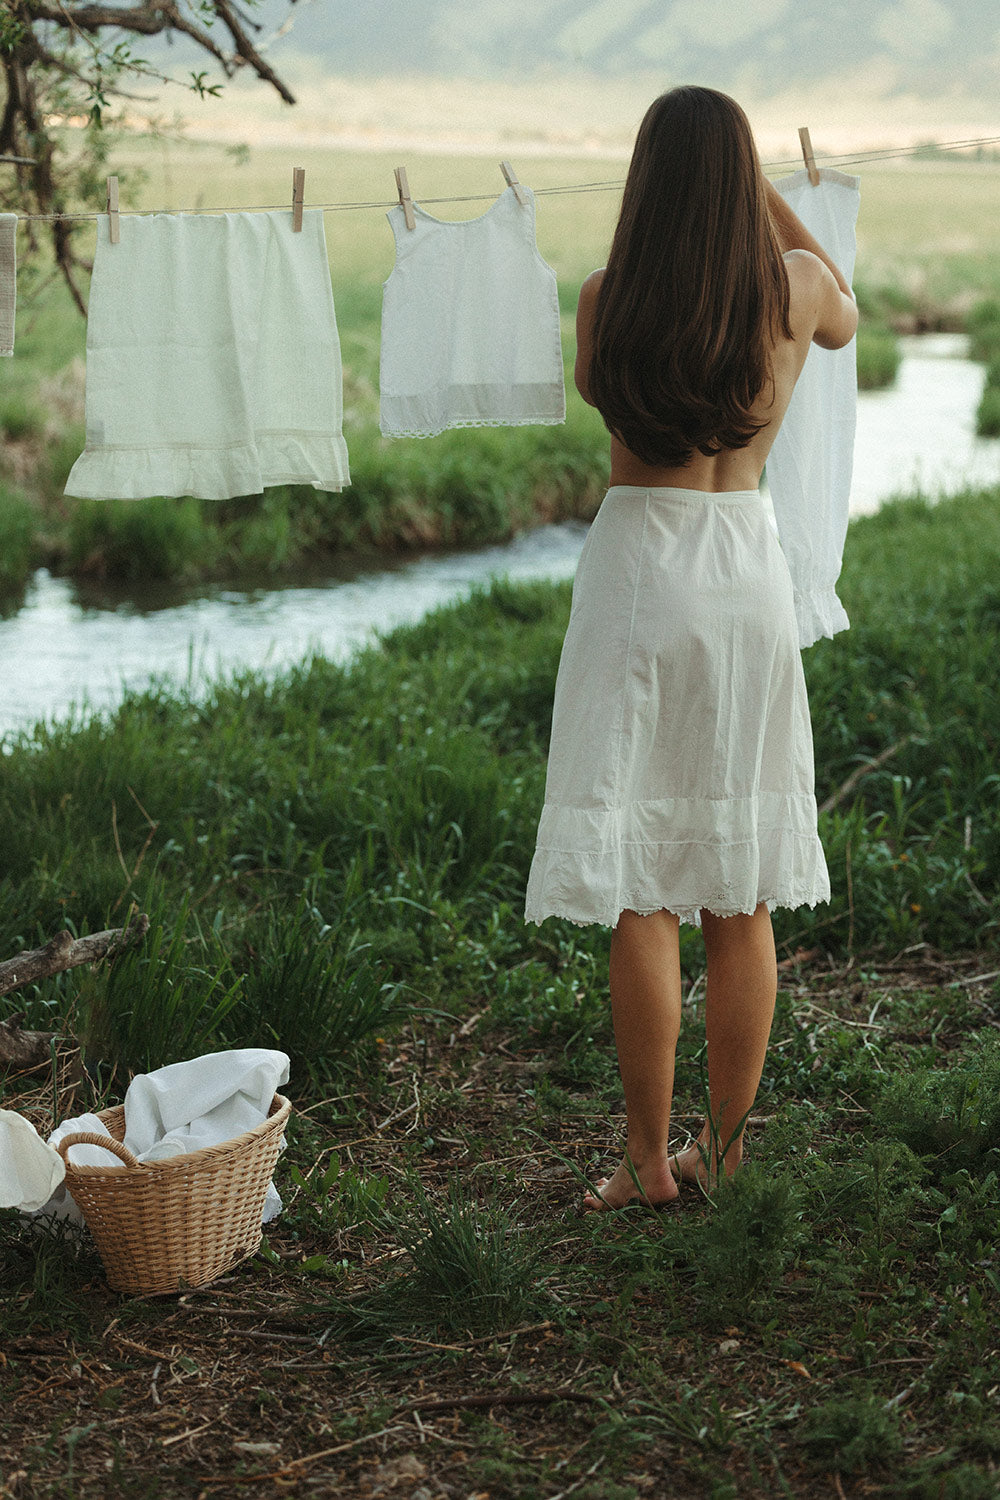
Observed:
{"x":161,"y":1226}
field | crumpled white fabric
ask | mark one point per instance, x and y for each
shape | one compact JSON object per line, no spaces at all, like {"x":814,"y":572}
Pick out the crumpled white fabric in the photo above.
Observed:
{"x":30,"y":1171}
{"x":180,"y":1108}
{"x":810,"y":466}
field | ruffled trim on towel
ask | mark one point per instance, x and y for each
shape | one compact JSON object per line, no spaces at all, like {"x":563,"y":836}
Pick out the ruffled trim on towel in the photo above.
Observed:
{"x":211,"y":473}
{"x":819,"y":614}
{"x":584,"y":872}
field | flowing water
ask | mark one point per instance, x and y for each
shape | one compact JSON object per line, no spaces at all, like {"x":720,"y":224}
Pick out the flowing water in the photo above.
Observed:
{"x":68,"y":647}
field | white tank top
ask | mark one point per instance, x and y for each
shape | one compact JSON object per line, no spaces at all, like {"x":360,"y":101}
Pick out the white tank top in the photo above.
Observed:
{"x":470,"y":324}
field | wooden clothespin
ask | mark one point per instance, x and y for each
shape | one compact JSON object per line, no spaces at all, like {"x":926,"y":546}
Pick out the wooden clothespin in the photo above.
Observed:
{"x":807,"y":155}
{"x":298,"y":194}
{"x":403,"y":188}
{"x":113,"y":223}
{"x":511,"y":178}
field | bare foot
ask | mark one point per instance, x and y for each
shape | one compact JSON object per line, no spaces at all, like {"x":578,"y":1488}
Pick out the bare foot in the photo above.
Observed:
{"x":657,"y":1189}
{"x":692,"y":1165}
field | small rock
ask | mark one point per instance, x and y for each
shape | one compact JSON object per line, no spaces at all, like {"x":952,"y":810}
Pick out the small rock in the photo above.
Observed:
{"x":729,"y":1346}
{"x":396,"y":1472}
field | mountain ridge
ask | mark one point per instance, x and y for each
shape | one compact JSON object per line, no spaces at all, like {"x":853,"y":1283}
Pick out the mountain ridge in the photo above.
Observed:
{"x":926,"y":48}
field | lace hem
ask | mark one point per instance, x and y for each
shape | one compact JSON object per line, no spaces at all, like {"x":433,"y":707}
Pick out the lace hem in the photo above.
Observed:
{"x":413,"y":432}
{"x":685,"y":913}
{"x":782,"y":866}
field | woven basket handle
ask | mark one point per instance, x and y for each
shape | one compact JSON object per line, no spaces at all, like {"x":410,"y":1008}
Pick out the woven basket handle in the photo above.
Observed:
{"x":91,"y":1138}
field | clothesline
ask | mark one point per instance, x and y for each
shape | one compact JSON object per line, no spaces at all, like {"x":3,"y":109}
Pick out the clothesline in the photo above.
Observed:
{"x":845,"y":159}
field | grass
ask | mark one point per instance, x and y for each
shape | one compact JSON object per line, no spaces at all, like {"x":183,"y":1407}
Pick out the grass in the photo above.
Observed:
{"x":878,"y":357}
{"x":334,"y":863}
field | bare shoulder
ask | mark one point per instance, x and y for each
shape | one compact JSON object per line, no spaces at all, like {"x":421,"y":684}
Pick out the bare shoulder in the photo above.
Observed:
{"x":805,"y":272}
{"x":818,"y":309}
{"x":591,"y":286}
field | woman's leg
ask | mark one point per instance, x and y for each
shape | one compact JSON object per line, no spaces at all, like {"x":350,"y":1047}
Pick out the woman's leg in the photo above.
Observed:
{"x":646,"y":1007}
{"x":740,"y":993}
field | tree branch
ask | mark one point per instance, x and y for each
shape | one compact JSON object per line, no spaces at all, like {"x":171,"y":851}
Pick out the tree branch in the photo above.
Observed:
{"x":66,"y":952}
{"x":56,"y":66}
{"x":249,"y":53}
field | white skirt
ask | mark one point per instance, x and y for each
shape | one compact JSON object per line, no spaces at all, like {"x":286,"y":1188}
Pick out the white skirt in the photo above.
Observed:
{"x":680,"y":773}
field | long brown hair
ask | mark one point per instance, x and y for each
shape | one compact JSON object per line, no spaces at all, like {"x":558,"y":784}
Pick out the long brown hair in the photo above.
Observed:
{"x":695,"y":289}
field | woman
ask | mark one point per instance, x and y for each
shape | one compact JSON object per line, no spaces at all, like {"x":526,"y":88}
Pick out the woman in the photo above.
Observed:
{"x":680,"y":778}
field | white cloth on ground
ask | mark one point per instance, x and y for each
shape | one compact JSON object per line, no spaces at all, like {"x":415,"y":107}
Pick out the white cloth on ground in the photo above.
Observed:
{"x":680,"y":771}
{"x":213,"y":359}
{"x":470,"y":324}
{"x":8,"y":281}
{"x":30,"y":1171}
{"x":809,"y":466}
{"x":181,"y":1108}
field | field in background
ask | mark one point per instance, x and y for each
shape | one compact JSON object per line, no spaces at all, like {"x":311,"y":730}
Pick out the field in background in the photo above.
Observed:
{"x":935,"y":219}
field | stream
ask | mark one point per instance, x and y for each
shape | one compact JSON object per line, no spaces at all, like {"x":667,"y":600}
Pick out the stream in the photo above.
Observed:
{"x":69,"y":649}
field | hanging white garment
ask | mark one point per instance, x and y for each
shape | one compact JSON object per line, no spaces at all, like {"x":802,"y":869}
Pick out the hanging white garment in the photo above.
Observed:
{"x":8,"y":281}
{"x":809,"y":466}
{"x":213,"y":359}
{"x":470,"y":324}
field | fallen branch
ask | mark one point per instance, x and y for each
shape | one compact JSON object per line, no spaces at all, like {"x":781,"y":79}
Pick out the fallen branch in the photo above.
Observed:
{"x":24,"y":1049}
{"x":29,"y":1049}
{"x":64,"y":951}
{"x":860,"y":772}
{"x":498,"y":1398}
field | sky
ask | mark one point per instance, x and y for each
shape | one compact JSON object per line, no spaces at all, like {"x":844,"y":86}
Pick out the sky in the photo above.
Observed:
{"x":577,"y":75}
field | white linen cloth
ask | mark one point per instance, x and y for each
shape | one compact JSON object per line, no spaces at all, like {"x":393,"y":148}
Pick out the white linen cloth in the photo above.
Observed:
{"x":8,"y":281}
{"x":213,"y":359}
{"x":180,"y":1108}
{"x":809,"y":466}
{"x":470,"y":324}
{"x":680,"y":771}
{"x":30,"y":1171}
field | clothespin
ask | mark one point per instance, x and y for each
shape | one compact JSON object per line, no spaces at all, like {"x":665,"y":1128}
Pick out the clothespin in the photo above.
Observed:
{"x":113,"y":230}
{"x":511,"y":179}
{"x":298,"y":193}
{"x":807,"y":155}
{"x":403,"y":188}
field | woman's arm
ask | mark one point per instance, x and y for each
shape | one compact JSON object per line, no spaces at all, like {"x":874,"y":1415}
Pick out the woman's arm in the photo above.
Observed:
{"x":836,"y":312}
{"x":585,"y":309}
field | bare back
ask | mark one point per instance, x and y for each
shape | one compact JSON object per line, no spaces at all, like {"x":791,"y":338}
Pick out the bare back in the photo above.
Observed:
{"x":820,"y":311}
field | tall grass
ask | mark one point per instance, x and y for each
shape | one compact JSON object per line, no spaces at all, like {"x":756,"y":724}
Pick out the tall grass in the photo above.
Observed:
{"x":17,"y":541}
{"x":878,"y":356}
